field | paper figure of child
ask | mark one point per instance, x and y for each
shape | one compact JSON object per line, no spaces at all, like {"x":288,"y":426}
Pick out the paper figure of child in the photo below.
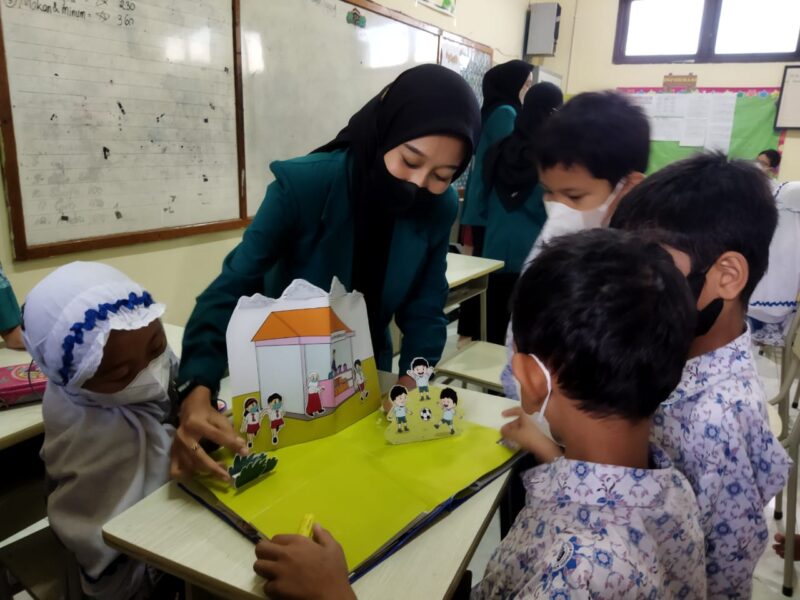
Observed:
{"x":448,"y":400}
{"x":251,"y":421}
{"x":314,"y":404}
{"x":399,"y":396}
{"x":275,"y":414}
{"x":361,"y":380}
{"x":421,"y":372}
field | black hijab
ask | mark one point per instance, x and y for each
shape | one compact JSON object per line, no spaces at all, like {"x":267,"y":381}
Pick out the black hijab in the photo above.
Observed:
{"x":502,"y":84}
{"x":424,"y":100}
{"x":509,"y":166}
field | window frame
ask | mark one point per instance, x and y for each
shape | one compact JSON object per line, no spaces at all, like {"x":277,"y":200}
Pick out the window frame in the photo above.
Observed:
{"x":705,"y":49}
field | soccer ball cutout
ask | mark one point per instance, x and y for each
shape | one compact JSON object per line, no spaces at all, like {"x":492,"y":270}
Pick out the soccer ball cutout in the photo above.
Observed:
{"x":425,"y":414}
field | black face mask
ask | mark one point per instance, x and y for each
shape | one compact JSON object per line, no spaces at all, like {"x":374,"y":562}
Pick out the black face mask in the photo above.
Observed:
{"x":396,"y":196}
{"x":706,"y":316}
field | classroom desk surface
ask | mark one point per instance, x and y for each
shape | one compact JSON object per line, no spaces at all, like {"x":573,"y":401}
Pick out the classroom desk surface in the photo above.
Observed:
{"x":174,"y":533}
{"x":23,"y":422}
{"x":462,"y":268}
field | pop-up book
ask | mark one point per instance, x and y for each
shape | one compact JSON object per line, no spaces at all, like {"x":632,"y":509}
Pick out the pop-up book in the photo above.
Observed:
{"x":301,"y":365}
{"x":304,"y":378}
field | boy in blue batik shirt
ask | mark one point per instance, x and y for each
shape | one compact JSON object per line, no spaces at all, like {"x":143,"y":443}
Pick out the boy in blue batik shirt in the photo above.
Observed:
{"x":717,"y":218}
{"x":611,"y":518}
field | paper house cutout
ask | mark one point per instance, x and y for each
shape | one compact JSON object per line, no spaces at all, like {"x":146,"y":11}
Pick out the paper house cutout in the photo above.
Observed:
{"x":310,"y":351}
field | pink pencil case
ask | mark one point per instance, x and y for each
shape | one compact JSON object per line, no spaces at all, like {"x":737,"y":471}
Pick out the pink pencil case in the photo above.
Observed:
{"x":21,"y":384}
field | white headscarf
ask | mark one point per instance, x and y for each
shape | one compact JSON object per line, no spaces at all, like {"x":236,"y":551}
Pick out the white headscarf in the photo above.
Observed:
{"x":101,"y":458}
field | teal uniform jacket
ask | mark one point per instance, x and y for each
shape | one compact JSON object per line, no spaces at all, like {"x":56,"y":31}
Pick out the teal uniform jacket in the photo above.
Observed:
{"x":9,"y":309}
{"x":304,"y":230}
{"x":511,"y":235}
{"x":499,"y":125}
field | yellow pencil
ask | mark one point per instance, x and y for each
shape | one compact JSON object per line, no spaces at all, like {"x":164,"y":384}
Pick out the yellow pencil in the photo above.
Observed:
{"x":306,"y":526}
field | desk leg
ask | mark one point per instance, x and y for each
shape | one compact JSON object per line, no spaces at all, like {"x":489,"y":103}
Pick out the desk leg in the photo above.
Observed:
{"x":483,"y":315}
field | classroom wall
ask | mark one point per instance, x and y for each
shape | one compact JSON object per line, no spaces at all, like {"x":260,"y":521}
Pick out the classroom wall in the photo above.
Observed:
{"x":584,"y":58}
{"x":177,"y":271}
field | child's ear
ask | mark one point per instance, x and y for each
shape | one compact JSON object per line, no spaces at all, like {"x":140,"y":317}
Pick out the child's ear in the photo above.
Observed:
{"x":731,"y":274}
{"x":632,"y":179}
{"x":531,"y":380}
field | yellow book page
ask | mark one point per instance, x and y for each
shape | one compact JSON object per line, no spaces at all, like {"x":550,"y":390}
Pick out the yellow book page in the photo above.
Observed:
{"x":362,"y":489}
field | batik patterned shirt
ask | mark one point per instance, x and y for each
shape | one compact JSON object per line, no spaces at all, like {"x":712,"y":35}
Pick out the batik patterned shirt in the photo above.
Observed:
{"x":601,"y":531}
{"x":714,"y":428}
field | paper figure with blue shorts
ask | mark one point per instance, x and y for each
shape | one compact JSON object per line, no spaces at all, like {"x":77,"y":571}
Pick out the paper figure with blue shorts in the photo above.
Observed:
{"x":399,"y":396}
{"x":421,"y":372}
{"x":448,"y":400}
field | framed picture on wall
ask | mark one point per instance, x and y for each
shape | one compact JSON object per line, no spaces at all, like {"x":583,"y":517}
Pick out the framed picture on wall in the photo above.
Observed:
{"x":447,"y":7}
{"x":788,"y":114}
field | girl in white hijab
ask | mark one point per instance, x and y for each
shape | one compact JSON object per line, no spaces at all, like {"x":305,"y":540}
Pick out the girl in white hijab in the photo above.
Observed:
{"x":97,"y":336}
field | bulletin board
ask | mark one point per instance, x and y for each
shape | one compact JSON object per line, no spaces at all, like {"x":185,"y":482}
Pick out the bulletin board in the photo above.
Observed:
{"x":752,"y":129}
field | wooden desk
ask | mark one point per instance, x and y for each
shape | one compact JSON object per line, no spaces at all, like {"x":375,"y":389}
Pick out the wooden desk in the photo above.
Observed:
{"x":174,"y":533}
{"x":479,"y":363}
{"x":468,"y":276}
{"x":24,"y":422}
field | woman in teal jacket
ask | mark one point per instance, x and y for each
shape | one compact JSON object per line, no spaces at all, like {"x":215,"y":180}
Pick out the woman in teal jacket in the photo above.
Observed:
{"x":373,"y":207}
{"x":515,"y":212}
{"x":504,"y":87}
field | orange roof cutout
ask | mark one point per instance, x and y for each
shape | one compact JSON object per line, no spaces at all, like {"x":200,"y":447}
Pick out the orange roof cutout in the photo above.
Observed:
{"x":303,"y":322}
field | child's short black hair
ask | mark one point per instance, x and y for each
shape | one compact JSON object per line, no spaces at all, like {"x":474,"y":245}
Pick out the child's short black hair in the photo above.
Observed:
{"x":420,"y":362}
{"x":273,"y":397}
{"x":601,"y":131}
{"x":705,"y":206}
{"x":357,"y":362}
{"x":397,"y":391}
{"x":773,"y":156}
{"x":449,"y":393}
{"x":249,"y":402}
{"x":612,"y":318}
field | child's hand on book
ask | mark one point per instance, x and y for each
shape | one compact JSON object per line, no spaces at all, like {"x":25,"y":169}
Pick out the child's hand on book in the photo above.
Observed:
{"x":198,"y":421}
{"x":298,"y":567}
{"x":523,"y":432}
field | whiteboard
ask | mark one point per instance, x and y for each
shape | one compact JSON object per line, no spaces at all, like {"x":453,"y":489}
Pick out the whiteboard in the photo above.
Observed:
{"x":471,"y":63}
{"x":788,"y":116}
{"x":124,"y":114}
{"x":306,"y":70}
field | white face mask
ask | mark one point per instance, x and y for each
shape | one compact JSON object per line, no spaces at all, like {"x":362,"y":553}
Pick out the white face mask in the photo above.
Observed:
{"x":151,"y":384}
{"x":539,"y":417}
{"x":567,"y":219}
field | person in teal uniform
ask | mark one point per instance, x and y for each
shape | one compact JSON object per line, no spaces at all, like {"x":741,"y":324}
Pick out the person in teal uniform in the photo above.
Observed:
{"x":373,"y":207}
{"x":504,"y":88}
{"x":515,"y":210}
{"x":10,"y":317}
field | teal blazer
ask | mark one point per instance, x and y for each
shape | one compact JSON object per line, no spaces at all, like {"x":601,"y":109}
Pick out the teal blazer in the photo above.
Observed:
{"x":499,"y":125}
{"x":511,"y":235}
{"x":304,"y":230}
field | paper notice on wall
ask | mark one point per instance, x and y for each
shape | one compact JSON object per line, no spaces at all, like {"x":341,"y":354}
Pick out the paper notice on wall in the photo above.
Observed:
{"x":693,"y":131}
{"x":665,"y":129}
{"x":720,"y":122}
{"x":646,"y":102}
{"x":670,"y":105}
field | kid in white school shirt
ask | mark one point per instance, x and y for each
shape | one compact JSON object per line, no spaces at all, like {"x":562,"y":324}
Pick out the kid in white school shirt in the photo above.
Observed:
{"x":717,"y":218}
{"x":611,"y":518}
{"x":97,"y":336}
